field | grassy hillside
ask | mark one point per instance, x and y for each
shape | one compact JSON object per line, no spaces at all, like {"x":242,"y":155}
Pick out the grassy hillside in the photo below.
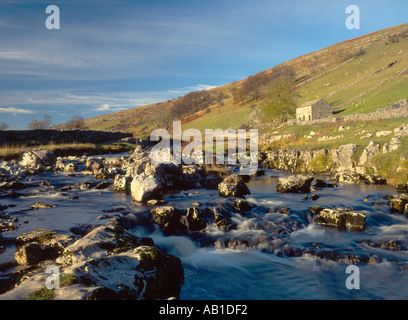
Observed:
{"x":355,"y":76}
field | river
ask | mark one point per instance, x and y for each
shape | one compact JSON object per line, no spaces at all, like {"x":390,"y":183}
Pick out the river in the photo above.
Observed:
{"x":257,"y":272}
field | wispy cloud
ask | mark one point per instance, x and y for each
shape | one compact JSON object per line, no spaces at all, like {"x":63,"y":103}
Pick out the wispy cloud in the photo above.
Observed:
{"x":15,"y":111}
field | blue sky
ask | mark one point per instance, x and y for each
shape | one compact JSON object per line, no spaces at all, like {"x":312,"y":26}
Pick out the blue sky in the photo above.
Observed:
{"x":115,"y":55}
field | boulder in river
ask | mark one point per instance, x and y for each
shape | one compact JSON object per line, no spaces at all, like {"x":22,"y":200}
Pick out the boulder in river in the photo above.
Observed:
{"x":169,"y":219}
{"x":399,"y":203}
{"x":341,"y":218}
{"x":233,"y":186}
{"x":195,"y":219}
{"x":94,"y":164}
{"x":38,"y":158}
{"x":294,"y":183}
{"x":144,"y":188}
{"x":122,"y":183}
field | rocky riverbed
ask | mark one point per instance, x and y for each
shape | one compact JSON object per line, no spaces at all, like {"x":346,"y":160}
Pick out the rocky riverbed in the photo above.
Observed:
{"x":122,"y":227}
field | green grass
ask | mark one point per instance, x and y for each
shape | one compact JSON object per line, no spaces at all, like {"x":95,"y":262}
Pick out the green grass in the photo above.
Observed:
{"x":345,"y":80}
{"x":351,"y":135}
{"x":393,"y":165}
{"x":41,"y":294}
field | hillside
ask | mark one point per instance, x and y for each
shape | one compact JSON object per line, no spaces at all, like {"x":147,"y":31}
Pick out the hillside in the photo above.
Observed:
{"x":356,"y":76}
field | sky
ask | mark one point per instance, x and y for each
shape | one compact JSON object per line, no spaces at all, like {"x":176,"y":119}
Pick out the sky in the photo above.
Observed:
{"x":113,"y":55}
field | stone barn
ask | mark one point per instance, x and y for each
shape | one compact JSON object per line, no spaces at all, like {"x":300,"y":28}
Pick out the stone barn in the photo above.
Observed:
{"x":314,"y":110}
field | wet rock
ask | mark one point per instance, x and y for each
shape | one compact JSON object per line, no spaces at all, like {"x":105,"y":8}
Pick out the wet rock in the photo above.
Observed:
{"x":142,"y":273}
{"x":101,"y":240}
{"x":283,"y":210}
{"x":137,"y":269}
{"x":233,"y":244}
{"x":169,"y":219}
{"x":166,"y":175}
{"x":39,"y":235}
{"x":12,"y":195}
{"x":212,"y":181}
{"x":122,"y":183}
{"x":70,"y":167}
{"x":319,"y":183}
{"x":353,"y":177}
{"x":82,"y":229}
{"x":40,"y":205}
{"x":374,"y":259}
{"x":221,"y":218}
{"x":29,"y":254}
{"x":391,"y":245}
{"x":195,"y":219}
{"x":144,"y":189}
{"x":155,"y":202}
{"x":83,"y":185}
{"x":334,"y":254}
{"x":402,"y":187}
{"x":94,"y":164}
{"x":387,"y":244}
{"x":16,"y":185}
{"x":193,"y":176}
{"x":40,"y":245}
{"x":103,"y":185}
{"x":341,"y":218}
{"x":233,"y":186}
{"x":239,"y":205}
{"x":294,"y":183}
{"x":398,"y":204}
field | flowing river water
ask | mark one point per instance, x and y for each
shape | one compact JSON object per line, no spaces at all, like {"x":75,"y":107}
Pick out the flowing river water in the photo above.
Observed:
{"x":254,"y":272}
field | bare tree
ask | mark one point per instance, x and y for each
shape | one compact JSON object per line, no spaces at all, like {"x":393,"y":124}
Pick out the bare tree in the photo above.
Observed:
{"x":76,"y":122}
{"x":40,"y":125}
{"x":3,"y":126}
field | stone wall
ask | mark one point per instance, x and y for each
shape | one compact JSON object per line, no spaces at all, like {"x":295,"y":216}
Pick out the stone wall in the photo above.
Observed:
{"x":321,"y":109}
{"x":58,"y":136}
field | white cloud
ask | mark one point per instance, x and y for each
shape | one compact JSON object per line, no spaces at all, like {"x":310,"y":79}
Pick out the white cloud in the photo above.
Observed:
{"x":109,"y":108}
{"x":15,"y":111}
{"x":201,"y":87}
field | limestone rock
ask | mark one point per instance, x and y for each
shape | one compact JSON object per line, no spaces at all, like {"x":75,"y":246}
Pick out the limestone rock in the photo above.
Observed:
{"x":370,"y":151}
{"x":341,"y":218}
{"x":144,"y":188}
{"x":294,"y":183}
{"x":233,"y":186}
{"x":29,"y":254}
{"x":169,"y":219}
{"x":38,"y":158}
{"x":94,"y":164}
{"x":394,"y":144}
{"x":342,"y":157}
{"x":122,"y":183}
